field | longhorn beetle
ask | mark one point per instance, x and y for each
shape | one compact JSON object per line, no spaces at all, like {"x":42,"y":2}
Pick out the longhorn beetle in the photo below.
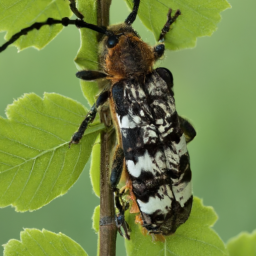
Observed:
{"x":151,"y":136}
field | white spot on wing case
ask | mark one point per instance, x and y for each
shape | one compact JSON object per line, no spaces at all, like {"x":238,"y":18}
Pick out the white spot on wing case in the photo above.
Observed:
{"x":155,"y":203}
{"x":144,"y":163}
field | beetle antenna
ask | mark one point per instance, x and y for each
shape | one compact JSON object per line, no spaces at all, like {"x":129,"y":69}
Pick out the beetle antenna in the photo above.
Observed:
{"x":132,"y":16}
{"x":50,"y":21}
{"x":73,"y":8}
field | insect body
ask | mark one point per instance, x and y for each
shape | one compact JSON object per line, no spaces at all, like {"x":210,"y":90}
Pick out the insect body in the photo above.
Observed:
{"x":151,"y":136}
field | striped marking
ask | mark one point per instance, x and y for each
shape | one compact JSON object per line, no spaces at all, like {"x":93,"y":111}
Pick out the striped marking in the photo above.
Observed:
{"x":144,"y":164}
{"x":155,"y":203}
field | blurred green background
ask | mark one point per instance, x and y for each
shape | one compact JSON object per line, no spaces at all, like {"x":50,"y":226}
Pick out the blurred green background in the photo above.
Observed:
{"x":214,"y":88}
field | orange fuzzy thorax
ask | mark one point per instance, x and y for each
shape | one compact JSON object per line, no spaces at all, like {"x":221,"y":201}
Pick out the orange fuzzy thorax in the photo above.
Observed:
{"x":130,"y":58}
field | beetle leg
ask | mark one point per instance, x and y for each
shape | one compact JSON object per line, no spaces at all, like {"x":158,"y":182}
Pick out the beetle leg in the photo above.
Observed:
{"x":132,"y":16}
{"x":120,"y":217}
{"x":117,"y":169}
{"x":124,"y":190}
{"x":160,"y":48}
{"x":89,"y":75}
{"x":89,"y":118}
{"x":188,"y":129}
{"x":168,"y":23}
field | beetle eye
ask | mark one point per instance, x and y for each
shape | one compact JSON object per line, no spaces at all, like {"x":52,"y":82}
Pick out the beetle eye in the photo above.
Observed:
{"x":112,"y":41}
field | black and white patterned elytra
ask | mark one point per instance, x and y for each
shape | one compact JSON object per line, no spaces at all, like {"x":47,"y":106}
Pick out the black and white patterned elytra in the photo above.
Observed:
{"x":155,"y":151}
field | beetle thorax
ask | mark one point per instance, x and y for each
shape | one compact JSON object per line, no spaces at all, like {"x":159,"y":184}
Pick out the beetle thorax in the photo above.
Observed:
{"x":129,"y":58}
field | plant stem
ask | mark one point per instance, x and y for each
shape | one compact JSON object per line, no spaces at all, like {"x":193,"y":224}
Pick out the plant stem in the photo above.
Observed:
{"x":107,"y":211}
{"x":103,"y":12}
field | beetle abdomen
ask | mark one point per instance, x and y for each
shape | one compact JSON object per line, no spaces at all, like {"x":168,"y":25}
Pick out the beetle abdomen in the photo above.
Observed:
{"x":155,"y":152}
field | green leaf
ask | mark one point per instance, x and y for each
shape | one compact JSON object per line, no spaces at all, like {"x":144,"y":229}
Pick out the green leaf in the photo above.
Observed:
{"x":96,"y":225}
{"x":42,"y":243}
{"x":95,"y":167}
{"x":90,"y":90}
{"x":194,"y":238}
{"x":87,"y":56}
{"x":16,"y":15}
{"x":199,"y":18}
{"x":36,"y":164}
{"x":96,"y":219}
{"x":243,"y":245}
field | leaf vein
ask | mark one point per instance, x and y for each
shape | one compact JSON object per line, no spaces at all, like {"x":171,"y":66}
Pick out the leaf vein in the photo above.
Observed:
{"x":42,"y":179}
{"x":193,"y":10}
{"x":9,"y":154}
{"x":203,"y":242}
{"x":46,"y":151}
{"x":10,"y":183}
{"x":65,"y":247}
{"x":42,"y":114}
{"x":150,"y":16}
{"x":51,"y":243}
{"x":40,"y":13}
{"x":42,"y":130}
{"x":68,"y":110}
{"x":18,"y":142}
{"x":21,"y":192}
{"x":37,"y":156}
{"x":39,"y":245}
{"x":57,"y":7}
{"x":20,"y":13}
{"x":3,"y":163}
{"x":78,"y":157}
{"x":59,"y":173}
{"x":6,"y":17}
{"x":6,"y":8}
{"x":33,"y":126}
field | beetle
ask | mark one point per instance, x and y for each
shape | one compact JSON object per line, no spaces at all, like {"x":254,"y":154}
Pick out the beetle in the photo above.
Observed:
{"x":151,"y":136}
